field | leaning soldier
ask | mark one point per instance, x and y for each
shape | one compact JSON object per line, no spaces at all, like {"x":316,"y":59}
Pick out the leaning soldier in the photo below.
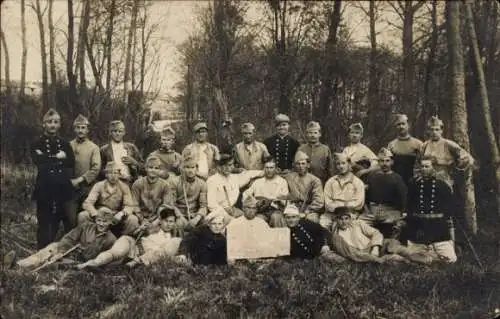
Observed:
{"x":170,"y":159}
{"x":55,"y":162}
{"x":282,"y":146}
{"x":448,"y":154}
{"x":404,"y":148}
{"x":319,"y":154}
{"x":204,"y":153}
{"x":111,"y":195}
{"x":385,"y":197}
{"x":305,"y":190}
{"x":83,"y":243}
{"x":429,"y":214}
{"x":249,"y":154}
{"x":87,"y":164}
{"x":188,"y":194}
{"x":363,"y":160}
{"x":125,"y":155}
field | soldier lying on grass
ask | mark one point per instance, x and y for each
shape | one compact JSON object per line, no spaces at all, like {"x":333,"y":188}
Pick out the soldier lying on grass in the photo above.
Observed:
{"x":85,"y":242}
{"x":155,"y":240}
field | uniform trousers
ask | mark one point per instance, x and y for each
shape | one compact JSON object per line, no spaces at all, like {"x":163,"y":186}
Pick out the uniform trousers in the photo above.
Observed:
{"x":49,"y":214}
{"x":439,"y":251}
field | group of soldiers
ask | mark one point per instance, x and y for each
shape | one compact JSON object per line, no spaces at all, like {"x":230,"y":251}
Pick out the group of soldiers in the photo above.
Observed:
{"x":117,"y":208}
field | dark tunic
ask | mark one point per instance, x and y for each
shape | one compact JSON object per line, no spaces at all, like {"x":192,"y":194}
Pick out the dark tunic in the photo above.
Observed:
{"x":204,"y":247}
{"x":388,"y":189}
{"x":429,"y":210}
{"x":307,"y":238}
{"x":405,"y":153}
{"x":53,"y":181}
{"x":282,"y":149}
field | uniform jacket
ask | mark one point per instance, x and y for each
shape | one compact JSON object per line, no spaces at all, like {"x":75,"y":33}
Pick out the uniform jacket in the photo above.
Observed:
{"x":405,"y":151}
{"x":307,"y":238}
{"x":321,"y":160}
{"x":282,"y":149}
{"x":53,"y":181}
{"x":204,"y":247}
{"x":132,"y":151}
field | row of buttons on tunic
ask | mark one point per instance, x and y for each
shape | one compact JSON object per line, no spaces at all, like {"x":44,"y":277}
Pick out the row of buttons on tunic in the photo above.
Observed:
{"x":432,"y":197}
{"x":298,"y":239}
{"x":277,"y":150}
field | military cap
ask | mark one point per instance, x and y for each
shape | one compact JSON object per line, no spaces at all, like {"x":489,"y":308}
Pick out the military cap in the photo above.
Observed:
{"x":280,"y":118}
{"x":168,"y":131}
{"x":291,"y":210}
{"x":199,"y":126}
{"x":313,"y":126}
{"x":249,"y":202}
{"x":106,"y":214}
{"x":216,"y":215}
{"x":343,"y":211}
{"x":384,"y":152}
{"x":224,"y":159}
{"x":299,"y":156}
{"x":114,"y":125}
{"x":111,"y":166}
{"x":356,"y":127}
{"x":50,"y":113}
{"x":434,"y":121}
{"x":400,"y":118}
{"x":341,"y":156}
{"x":80,"y":120}
{"x":165,"y":211}
{"x":188,"y":159}
{"x":153,"y":158}
{"x":247,"y":127}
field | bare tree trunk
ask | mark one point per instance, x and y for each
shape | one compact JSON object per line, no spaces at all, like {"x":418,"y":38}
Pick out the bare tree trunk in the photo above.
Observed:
{"x":128,"y":57}
{"x":284,"y":74}
{"x":24,"y":57}
{"x":80,"y":60}
{"x":144,"y":47}
{"x":5,"y":52}
{"x":407,"y":99}
{"x":459,"y":110}
{"x":43,"y":54}
{"x":69,"y":56}
{"x":374,"y":114}
{"x":109,"y":44}
{"x":93,"y":64}
{"x":52,"y":63}
{"x":485,"y":104}
{"x":326,"y":91}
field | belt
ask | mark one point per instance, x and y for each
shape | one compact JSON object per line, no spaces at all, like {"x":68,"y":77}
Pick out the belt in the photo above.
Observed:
{"x":428,"y":216}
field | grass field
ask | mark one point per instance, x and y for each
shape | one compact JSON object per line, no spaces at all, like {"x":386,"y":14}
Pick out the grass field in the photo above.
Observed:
{"x":301,"y":289}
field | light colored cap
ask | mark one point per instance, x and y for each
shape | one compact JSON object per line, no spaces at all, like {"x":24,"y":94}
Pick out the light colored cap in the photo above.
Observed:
{"x":188,"y":159}
{"x":249,"y":202}
{"x":400,"y":118}
{"x":341,"y":156}
{"x":49,"y":114}
{"x":356,"y":127}
{"x":111,"y":166}
{"x":106,"y":214}
{"x":291,"y":210}
{"x":153,"y":159}
{"x":299,"y":156}
{"x":434,"y":121}
{"x":216,"y":215}
{"x":168,"y":131}
{"x":247,"y":128}
{"x":313,"y":126}
{"x":280,"y":118}
{"x":200,"y":126}
{"x":114,"y":125}
{"x":81,"y":120}
{"x":384,"y":152}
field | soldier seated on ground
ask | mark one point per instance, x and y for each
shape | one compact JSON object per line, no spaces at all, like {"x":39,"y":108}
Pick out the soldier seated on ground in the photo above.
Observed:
{"x":111,"y":195}
{"x":206,"y":244}
{"x":355,"y":240}
{"x":270,"y":191}
{"x":85,"y":242}
{"x":155,"y":240}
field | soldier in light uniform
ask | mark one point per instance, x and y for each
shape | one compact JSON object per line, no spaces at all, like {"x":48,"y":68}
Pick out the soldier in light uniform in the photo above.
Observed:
{"x":448,"y":154}
{"x":342,"y":190}
{"x":429,"y":208}
{"x":282,"y":146}
{"x":305,"y":190}
{"x":405,"y":149}
{"x":204,"y":153}
{"x":363,"y":160}
{"x":111,"y":195}
{"x":319,"y":154}
{"x":87,"y":164}
{"x":125,"y":155}
{"x":170,"y":159}
{"x":188,"y":193}
{"x":53,"y":191}
{"x":249,"y":154}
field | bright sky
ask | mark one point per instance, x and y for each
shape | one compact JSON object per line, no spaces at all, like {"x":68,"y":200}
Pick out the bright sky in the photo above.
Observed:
{"x":178,"y":19}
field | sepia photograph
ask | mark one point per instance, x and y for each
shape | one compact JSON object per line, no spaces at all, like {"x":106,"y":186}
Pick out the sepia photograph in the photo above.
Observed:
{"x":250,"y":159}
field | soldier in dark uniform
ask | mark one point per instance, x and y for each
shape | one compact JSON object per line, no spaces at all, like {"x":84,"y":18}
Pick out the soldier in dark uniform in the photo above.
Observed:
{"x":282,"y":146}
{"x":308,"y":239}
{"x":55,"y":162}
{"x":429,"y":214}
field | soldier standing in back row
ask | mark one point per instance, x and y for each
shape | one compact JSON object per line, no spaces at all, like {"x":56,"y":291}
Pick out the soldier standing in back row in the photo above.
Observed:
{"x":55,"y":162}
{"x":282,"y":146}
